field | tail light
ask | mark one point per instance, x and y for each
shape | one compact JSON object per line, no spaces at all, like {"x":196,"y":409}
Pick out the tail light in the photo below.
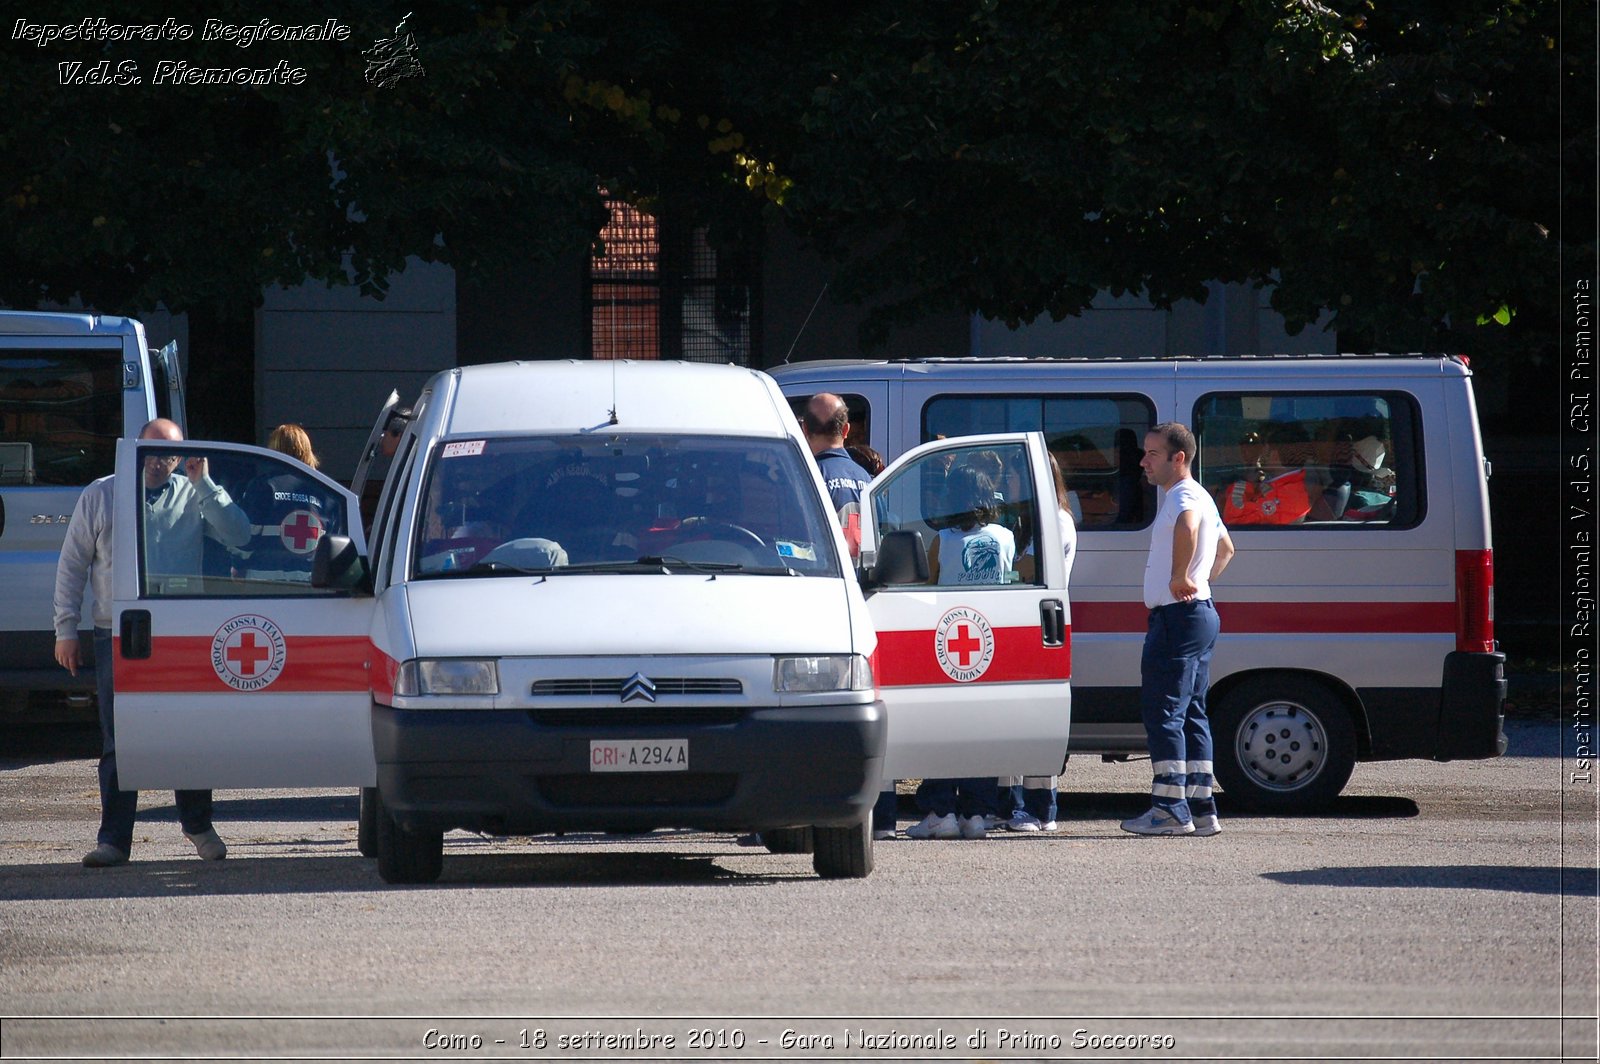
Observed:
{"x":1475,"y":600}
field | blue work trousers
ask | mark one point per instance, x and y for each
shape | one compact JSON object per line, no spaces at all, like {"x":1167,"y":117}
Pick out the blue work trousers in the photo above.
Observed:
{"x":117,"y":806}
{"x":1175,"y":671}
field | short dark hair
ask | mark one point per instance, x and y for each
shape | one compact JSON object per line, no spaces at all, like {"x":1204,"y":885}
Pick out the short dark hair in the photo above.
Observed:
{"x":970,"y":492}
{"x":1177,"y":437}
{"x":865,"y":457}
{"x":399,"y":418}
{"x":834,"y":425}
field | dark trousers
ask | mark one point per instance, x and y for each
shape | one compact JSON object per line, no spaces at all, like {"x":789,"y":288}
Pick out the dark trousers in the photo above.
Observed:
{"x":117,"y":806}
{"x":1176,"y":671}
{"x":964,"y":797}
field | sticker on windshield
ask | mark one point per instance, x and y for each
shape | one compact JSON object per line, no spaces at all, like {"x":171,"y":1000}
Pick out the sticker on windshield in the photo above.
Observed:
{"x":789,"y":549}
{"x":248,"y":652}
{"x":462,"y":448}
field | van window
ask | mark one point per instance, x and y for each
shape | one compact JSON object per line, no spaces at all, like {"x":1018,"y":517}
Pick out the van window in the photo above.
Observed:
{"x":255,"y":538}
{"x":1279,"y":459}
{"x":64,"y":409}
{"x":623,"y":503}
{"x":391,"y":499}
{"x":974,"y":508}
{"x":1096,"y":439}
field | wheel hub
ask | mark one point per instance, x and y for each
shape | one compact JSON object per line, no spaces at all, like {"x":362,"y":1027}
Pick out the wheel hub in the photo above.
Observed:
{"x":1281,"y":745}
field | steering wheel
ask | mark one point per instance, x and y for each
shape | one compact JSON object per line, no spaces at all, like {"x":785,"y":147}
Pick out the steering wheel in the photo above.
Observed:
{"x":706,"y":528}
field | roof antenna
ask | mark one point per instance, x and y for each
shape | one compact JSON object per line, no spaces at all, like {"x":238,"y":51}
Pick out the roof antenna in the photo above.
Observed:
{"x":803,"y":324}
{"x":613,"y":411}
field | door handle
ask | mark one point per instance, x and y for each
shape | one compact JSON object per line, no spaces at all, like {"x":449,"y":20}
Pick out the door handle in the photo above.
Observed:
{"x":136,"y":634}
{"x":1053,"y":622}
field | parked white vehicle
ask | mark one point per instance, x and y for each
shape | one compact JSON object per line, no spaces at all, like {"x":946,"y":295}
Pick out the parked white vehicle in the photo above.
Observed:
{"x":71,"y":385}
{"x":597,"y":597}
{"x":1357,"y":618}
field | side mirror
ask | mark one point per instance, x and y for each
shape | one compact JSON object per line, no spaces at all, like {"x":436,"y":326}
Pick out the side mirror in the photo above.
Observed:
{"x":338,"y":564}
{"x":901,"y":560}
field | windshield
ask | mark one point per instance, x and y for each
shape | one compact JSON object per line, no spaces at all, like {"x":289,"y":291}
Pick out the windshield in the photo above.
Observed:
{"x":624,"y":504}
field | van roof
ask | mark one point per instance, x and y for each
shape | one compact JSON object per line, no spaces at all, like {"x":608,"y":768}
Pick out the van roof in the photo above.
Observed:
{"x":960,"y":368}
{"x":574,"y":396}
{"x":50,"y":323}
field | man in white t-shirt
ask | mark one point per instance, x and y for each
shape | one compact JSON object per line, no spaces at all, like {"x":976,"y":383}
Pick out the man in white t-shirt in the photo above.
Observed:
{"x":1189,"y":548}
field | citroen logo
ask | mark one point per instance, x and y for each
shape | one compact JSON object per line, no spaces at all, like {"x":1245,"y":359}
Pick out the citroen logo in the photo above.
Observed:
{"x":638,"y":686}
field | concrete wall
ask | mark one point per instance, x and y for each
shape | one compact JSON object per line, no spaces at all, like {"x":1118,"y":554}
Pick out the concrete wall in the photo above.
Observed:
{"x":327,"y":358}
{"x":536,"y":313}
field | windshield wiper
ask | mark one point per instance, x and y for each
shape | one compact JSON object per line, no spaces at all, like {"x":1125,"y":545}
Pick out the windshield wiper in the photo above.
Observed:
{"x":496,"y":565}
{"x":667,"y":562}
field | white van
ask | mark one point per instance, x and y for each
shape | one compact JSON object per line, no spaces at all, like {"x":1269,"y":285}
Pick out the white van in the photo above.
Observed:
{"x":1357,"y":618}
{"x":71,"y":385}
{"x":598,"y":597}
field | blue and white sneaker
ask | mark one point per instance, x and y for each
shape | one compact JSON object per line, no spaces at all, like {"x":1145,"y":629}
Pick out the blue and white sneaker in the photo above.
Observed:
{"x":1207,"y":824}
{"x":1158,"y":822}
{"x":1022,"y":821}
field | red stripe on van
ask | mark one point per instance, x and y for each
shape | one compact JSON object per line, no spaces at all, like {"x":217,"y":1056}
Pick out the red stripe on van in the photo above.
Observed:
{"x":1299,"y":618}
{"x":906,"y":659}
{"x":182,"y":664}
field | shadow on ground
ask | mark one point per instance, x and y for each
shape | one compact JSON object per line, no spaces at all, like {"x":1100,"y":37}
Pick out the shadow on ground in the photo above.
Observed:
{"x":1567,"y":882}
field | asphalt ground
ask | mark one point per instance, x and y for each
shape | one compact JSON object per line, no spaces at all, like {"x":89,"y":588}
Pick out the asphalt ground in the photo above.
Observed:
{"x":1435,"y":912}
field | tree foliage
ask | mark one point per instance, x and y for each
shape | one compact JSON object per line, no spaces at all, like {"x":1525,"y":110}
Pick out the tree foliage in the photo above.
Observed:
{"x":1397,"y":162}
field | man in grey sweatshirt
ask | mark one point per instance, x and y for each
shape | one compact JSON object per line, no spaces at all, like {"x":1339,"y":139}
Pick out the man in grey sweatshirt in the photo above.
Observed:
{"x":178,"y":511}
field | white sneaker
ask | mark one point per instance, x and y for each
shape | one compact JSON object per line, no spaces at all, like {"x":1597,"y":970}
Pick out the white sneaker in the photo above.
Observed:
{"x":934,"y":826}
{"x":973,"y":827}
{"x":104,"y":855}
{"x":1049,"y":825}
{"x":1158,"y":822}
{"x":880,"y":834}
{"x":1207,"y":824}
{"x":208,"y":845}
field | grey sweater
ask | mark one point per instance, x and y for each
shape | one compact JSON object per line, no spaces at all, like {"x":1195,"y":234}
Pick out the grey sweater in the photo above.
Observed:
{"x":85,"y":559}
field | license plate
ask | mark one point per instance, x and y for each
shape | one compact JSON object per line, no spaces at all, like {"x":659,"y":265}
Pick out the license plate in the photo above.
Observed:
{"x":639,"y":755}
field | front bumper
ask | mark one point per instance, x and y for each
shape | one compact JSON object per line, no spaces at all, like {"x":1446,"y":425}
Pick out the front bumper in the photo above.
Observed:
{"x":499,"y":772}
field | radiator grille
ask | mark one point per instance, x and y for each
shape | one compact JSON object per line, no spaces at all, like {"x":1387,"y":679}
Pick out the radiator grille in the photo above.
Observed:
{"x":612,"y":686}
{"x":635,"y":715}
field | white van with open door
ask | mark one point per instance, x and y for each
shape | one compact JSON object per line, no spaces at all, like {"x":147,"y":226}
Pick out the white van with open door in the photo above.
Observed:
{"x":596,"y":597}
{"x":71,"y":385}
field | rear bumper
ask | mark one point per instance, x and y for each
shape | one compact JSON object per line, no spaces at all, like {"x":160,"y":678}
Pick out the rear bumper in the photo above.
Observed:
{"x":497,"y":771}
{"x":1472,"y":706}
{"x":1462,"y":719}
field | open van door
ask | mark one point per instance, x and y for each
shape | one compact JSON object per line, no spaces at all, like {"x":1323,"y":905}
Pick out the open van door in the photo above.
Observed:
{"x":358,"y":479}
{"x":166,"y":385}
{"x":975,"y":676}
{"x":231,"y":669}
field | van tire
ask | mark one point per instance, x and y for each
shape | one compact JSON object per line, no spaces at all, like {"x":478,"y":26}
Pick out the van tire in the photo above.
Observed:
{"x":367,"y":822}
{"x":406,"y":856}
{"x":844,"y":853}
{"x":787,"y":840}
{"x":1282,"y":745}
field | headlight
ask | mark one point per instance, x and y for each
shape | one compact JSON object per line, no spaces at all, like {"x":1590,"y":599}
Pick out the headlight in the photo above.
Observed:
{"x":447,"y":676}
{"x":821,"y":672}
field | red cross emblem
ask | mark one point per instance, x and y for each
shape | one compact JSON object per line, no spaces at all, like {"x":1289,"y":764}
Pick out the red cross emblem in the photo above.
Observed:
{"x":963,"y":644}
{"x":300,"y":531}
{"x":248,"y":652}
